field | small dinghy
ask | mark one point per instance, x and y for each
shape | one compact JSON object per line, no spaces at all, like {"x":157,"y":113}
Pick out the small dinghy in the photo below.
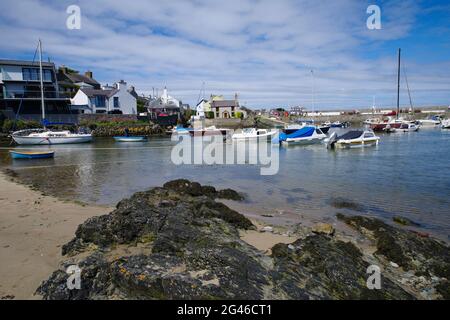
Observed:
{"x":31,"y":154}
{"x":130,"y":138}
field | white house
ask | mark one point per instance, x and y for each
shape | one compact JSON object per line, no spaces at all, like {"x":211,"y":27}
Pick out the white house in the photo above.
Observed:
{"x":115,"y":99}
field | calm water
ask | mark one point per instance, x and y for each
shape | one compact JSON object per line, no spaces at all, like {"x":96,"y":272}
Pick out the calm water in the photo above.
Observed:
{"x":408,"y":174}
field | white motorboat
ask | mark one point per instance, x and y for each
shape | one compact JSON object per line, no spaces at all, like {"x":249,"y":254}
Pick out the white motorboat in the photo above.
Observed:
{"x":408,"y":127}
{"x":445,"y":124}
{"x":353,"y":139}
{"x":371,"y":121}
{"x":430,"y":122}
{"x":45,"y":136}
{"x":252,"y":134}
{"x":303,"y":136}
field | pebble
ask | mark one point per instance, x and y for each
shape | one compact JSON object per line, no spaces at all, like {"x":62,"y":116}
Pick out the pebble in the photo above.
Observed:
{"x":394,"y":264}
{"x":324,"y":228}
{"x":291,"y":247}
{"x":267,"y":229}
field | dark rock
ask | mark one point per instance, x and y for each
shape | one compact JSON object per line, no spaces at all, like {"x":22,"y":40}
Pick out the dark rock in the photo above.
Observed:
{"x":195,"y":189}
{"x":194,"y":251}
{"x":229,"y":194}
{"x":405,"y":221}
{"x":423,"y":255}
{"x":323,"y":268}
{"x":341,"y":203}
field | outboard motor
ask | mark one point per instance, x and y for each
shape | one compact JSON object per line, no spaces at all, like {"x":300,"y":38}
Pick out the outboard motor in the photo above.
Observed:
{"x":332,"y":140}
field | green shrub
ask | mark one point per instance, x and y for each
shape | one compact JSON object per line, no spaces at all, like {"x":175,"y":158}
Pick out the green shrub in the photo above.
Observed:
{"x":209,"y":114}
{"x":12,"y":125}
{"x":238,"y":114}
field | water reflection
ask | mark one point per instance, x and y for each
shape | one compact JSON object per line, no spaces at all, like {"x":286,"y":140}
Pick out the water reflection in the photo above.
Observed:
{"x":407,"y":174}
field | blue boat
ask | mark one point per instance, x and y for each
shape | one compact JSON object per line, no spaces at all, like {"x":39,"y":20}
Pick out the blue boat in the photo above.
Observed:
{"x":31,"y":154}
{"x":130,"y":138}
{"x":304,"y":135}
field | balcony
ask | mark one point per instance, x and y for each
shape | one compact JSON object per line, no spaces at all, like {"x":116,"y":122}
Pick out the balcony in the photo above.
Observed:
{"x":35,"y":94}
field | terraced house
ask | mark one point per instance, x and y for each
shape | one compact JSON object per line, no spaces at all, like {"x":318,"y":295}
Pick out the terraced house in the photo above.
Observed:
{"x":116,"y":99}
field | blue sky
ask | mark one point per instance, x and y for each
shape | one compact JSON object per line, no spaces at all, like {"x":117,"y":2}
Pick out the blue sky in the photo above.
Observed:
{"x":263,"y":50}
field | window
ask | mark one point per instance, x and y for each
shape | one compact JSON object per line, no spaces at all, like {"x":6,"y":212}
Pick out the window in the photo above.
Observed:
{"x":99,"y":101}
{"x":116,"y":102}
{"x":33,"y":74}
{"x":368,"y":135}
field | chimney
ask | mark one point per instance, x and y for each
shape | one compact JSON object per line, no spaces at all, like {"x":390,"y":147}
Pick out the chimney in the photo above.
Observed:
{"x":121,"y":85}
{"x":88,"y":74}
{"x":63,"y":69}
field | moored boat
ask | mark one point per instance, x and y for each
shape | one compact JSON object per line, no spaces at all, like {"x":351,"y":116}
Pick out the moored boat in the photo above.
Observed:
{"x":303,"y":136}
{"x":46,"y":136}
{"x":386,"y":125}
{"x":130,"y":138}
{"x":253,"y":134}
{"x":430,"y":122}
{"x":353,"y":139}
{"x":408,"y":127}
{"x":16,"y":154}
{"x":445,"y":124}
{"x":209,"y":131}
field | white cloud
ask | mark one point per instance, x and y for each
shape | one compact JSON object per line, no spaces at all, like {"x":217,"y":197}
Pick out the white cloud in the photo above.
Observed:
{"x":262,"y":49}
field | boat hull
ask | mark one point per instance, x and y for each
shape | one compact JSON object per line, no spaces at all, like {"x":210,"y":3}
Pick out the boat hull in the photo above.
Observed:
{"x":382,"y":126}
{"x":357,"y":144}
{"x":303,"y":141}
{"x":242,"y":137}
{"x":31,"y":155}
{"x":24,"y":140}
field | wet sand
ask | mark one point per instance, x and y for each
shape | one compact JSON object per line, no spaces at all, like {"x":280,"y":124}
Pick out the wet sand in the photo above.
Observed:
{"x":32,"y":229}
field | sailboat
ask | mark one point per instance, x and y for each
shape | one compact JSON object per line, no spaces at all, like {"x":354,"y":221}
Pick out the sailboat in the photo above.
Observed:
{"x":45,"y":136}
{"x":391,"y":125}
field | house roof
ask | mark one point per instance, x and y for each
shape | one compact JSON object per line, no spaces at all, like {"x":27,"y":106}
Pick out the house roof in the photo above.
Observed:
{"x":76,"y":78}
{"x":25,"y":63}
{"x":99,"y":92}
{"x":224,"y":103}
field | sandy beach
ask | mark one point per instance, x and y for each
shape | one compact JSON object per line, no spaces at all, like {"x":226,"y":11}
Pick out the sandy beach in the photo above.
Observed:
{"x":32,"y":229}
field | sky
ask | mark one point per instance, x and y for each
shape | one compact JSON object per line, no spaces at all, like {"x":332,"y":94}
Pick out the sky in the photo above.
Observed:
{"x":264,"y":50}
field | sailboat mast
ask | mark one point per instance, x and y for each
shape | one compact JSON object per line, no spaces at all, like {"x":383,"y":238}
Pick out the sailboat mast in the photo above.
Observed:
{"x":42,"y":81}
{"x":312,"y":91}
{"x":398,"y":83}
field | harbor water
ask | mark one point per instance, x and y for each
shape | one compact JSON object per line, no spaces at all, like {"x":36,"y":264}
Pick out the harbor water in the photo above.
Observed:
{"x":407,"y":174}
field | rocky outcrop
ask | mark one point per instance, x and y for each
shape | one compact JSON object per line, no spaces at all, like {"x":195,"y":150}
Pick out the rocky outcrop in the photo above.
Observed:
{"x":178,"y":242}
{"x":425,"y":257}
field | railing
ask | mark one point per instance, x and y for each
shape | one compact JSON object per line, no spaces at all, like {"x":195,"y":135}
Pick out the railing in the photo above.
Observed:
{"x":32,"y":94}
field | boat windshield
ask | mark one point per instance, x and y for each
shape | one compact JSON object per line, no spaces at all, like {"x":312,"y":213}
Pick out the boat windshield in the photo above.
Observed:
{"x":353,"y":134}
